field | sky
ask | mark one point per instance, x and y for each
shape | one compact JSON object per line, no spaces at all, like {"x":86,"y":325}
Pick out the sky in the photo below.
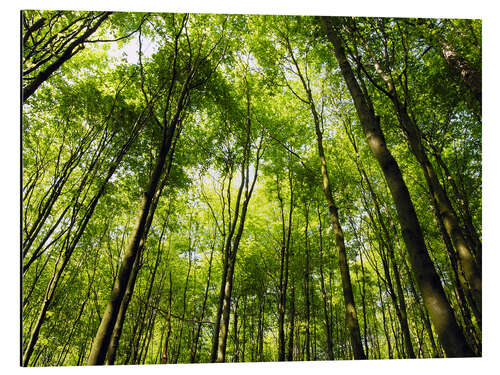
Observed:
{"x":130,"y":50}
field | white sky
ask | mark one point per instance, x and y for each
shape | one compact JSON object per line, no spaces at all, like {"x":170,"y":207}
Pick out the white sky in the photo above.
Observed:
{"x":130,"y":50}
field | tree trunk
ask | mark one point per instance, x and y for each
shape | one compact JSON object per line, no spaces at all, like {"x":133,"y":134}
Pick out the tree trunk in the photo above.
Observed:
{"x":117,"y":330}
{"x":440,"y":198}
{"x":184,"y":305}
{"x":461,"y":197}
{"x":236,"y":346}
{"x":430,"y":286}
{"x":232,"y":245}
{"x":363,"y":304}
{"x":463,"y":69}
{"x":164,"y":356}
{"x":386,"y":243}
{"x":103,"y":335}
{"x":352,"y":319}
{"x":291,"y":318}
{"x":423,"y":313}
{"x":284,"y":259}
{"x":328,"y":326}
{"x":446,"y":210}
{"x":194,"y":348}
{"x":307,"y":342}
{"x":68,"y":251}
{"x":260,"y":330}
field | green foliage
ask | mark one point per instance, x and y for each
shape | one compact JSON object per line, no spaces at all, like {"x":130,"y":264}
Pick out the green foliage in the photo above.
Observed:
{"x":244,"y":93}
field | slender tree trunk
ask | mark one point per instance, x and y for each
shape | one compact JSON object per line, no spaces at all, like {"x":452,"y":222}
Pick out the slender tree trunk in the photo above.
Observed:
{"x":307,"y":342}
{"x":184,"y":305}
{"x":220,"y":305}
{"x":402,"y":305}
{"x":291,"y":318}
{"x":70,"y":246}
{"x":221,"y":349}
{"x":396,"y":336}
{"x":384,"y":320}
{"x":170,"y":125}
{"x":164,"y":356}
{"x":386,"y":242}
{"x":117,"y":330}
{"x":284,"y":259}
{"x":244,"y":329}
{"x":443,"y":205}
{"x":103,"y":335}
{"x":328,"y":326}
{"x":363,"y":304}
{"x":260,"y":330}
{"x":459,"y":282}
{"x":236,"y":347}
{"x":375,"y":332}
{"x":194,"y":348}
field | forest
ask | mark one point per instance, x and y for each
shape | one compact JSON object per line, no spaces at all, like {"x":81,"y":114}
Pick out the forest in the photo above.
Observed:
{"x":203,"y":188}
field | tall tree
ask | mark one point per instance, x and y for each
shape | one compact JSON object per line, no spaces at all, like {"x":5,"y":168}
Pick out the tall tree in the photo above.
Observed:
{"x":430,"y":286}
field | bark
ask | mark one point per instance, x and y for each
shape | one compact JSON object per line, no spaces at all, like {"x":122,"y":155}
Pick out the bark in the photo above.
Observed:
{"x":386,"y":243}
{"x":458,"y":281}
{"x":397,"y":299}
{"x":430,"y":286}
{"x":363,"y":304}
{"x":220,"y":305}
{"x":224,"y":329}
{"x":117,"y":330}
{"x":423,"y":313}
{"x":260,"y":330}
{"x":244,"y":328}
{"x":402,"y":305}
{"x":103,"y":335}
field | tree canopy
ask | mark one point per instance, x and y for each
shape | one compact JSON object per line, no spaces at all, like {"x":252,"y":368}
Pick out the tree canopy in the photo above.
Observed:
{"x":242,"y":188}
